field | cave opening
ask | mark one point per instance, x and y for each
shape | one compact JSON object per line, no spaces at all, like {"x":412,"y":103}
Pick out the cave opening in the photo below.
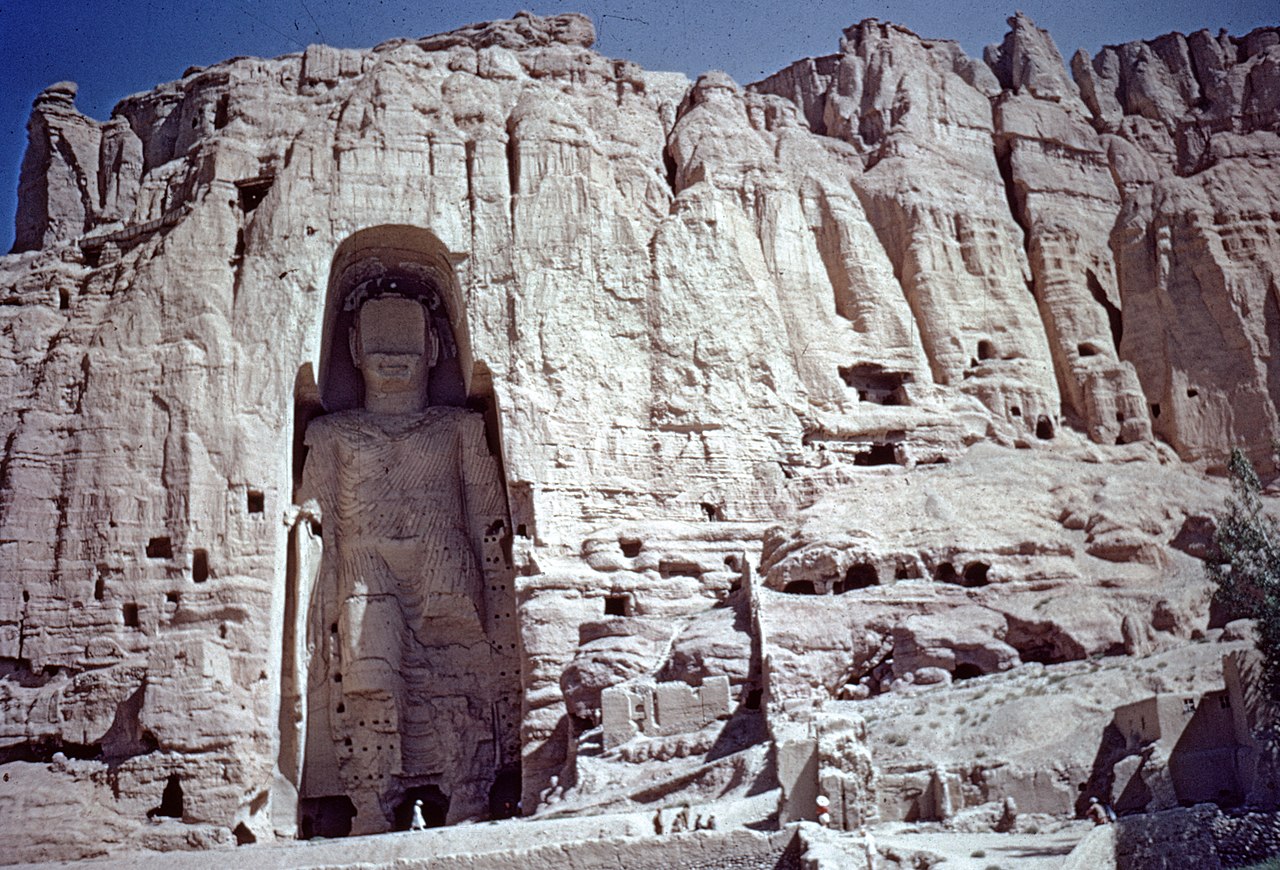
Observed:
{"x":504,"y":794}
{"x":966,"y":671}
{"x":253,"y":190}
{"x":328,"y":816}
{"x":975,"y":574}
{"x":1044,"y":428}
{"x":199,"y":565}
{"x":859,"y":576}
{"x":879,"y":453}
{"x":171,"y":800}
{"x":160,"y":547}
{"x":800,"y":587}
{"x":876,"y":384}
{"x":907,"y":571}
{"x":945,"y":573}
{"x":435,"y":807}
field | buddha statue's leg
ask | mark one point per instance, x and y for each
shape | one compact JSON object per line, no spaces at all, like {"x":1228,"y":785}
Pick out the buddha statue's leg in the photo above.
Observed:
{"x":371,"y":628}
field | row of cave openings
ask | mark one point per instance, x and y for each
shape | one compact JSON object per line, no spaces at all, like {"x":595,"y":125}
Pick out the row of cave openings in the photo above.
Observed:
{"x":863,"y":575}
{"x":878,"y":385}
{"x":331,"y":816}
{"x":160,"y":548}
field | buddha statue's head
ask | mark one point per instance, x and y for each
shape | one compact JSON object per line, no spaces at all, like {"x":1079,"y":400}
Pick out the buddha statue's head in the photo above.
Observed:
{"x":394,"y":347}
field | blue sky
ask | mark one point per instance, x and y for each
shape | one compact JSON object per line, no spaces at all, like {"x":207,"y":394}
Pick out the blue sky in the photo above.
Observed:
{"x":114,"y":48}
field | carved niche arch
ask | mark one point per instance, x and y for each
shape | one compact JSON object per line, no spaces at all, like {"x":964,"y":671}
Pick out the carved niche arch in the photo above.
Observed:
{"x":414,"y":259}
{"x":410,"y":262}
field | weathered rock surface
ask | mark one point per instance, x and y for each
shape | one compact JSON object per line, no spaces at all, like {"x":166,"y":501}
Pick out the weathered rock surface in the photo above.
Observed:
{"x":953,"y":341}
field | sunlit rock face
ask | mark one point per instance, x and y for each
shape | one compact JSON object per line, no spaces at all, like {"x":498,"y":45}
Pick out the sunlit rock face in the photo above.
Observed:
{"x":886,"y":311}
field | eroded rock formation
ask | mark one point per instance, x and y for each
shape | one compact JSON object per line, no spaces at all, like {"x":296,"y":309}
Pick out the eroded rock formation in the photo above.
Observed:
{"x":895,"y":370}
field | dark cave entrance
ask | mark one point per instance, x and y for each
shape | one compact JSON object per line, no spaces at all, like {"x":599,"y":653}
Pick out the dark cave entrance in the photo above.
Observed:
{"x":504,"y":795}
{"x":328,"y":817}
{"x":859,"y":576}
{"x":435,"y":807}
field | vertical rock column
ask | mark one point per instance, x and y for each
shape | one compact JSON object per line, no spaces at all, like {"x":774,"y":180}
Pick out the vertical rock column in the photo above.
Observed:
{"x":58,"y":184}
{"x":1061,"y":191}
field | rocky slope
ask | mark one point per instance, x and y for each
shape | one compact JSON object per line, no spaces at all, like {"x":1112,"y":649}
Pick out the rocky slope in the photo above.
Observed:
{"x":966,"y":339}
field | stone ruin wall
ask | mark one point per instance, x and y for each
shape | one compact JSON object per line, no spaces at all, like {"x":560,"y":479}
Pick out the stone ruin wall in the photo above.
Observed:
{"x":687,"y":308}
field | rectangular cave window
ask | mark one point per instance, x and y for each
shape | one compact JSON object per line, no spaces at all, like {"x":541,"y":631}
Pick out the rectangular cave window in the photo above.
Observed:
{"x":160,"y":548}
{"x":615,"y":605}
{"x":221,"y":111}
{"x":255,"y":501}
{"x":875,"y":384}
{"x":880,"y":453}
{"x":130,"y":612}
{"x":669,"y":568}
{"x":199,"y":565}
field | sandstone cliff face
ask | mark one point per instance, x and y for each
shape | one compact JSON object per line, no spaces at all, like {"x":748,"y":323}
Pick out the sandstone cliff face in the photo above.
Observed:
{"x":688,"y":310}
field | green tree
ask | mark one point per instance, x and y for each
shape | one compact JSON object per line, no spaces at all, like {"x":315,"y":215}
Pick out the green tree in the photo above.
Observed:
{"x":1246,"y":562}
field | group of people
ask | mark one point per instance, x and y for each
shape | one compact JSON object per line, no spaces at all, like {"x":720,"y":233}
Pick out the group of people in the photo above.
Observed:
{"x":682,"y":823}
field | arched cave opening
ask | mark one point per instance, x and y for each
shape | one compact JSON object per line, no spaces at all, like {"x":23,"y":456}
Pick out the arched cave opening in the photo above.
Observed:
{"x":800,"y":587}
{"x":966,"y":671}
{"x":986,"y":349}
{"x":859,"y":576}
{"x":435,"y":807}
{"x":975,"y":574}
{"x":945,"y":573}
{"x":1044,"y":428}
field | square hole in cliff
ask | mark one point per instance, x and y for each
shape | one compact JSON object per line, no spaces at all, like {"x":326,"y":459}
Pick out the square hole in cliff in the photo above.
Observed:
{"x":160,"y":548}
{"x":879,"y":453}
{"x":255,"y":501}
{"x":615,"y":605}
{"x":130,"y":613}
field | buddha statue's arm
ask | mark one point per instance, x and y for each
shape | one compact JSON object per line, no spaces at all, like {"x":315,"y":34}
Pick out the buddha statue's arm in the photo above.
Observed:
{"x":317,"y":493}
{"x":483,"y":490}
